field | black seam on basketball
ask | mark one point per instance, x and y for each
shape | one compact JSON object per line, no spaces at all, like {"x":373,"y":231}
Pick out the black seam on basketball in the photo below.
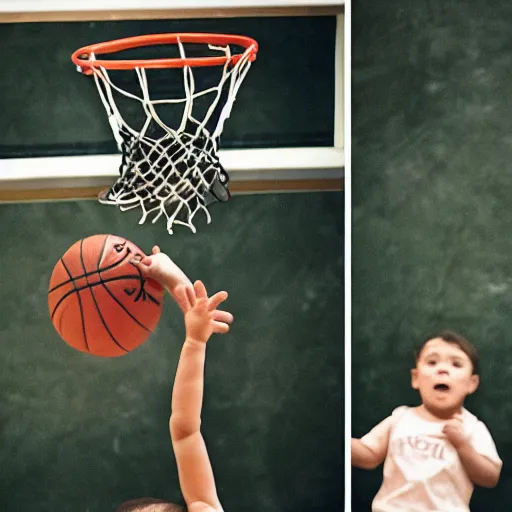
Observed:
{"x":61,"y":321}
{"x":125,"y":310}
{"x":141,"y":287}
{"x":92,"y":285}
{"x":96,"y":303}
{"x":142,"y":291}
{"x":87,"y":274}
{"x":106,"y":287}
{"x":79,"y":304}
{"x":116,"y":299}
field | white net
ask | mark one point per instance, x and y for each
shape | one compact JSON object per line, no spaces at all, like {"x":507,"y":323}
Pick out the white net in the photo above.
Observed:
{"x":171,"y":172}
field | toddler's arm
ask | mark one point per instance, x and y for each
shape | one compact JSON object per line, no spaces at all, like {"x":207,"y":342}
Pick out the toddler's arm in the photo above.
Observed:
{"x":161,"y":268}
{"x":481,"y":470}
{"x":370,"y":451}
{"x":194,"y":468}
{"x":362,"y":456}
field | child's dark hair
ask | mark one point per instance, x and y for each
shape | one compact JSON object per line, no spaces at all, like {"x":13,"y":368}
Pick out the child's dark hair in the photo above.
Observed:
{"x":456,"y":339}
{"x":149,"y":505}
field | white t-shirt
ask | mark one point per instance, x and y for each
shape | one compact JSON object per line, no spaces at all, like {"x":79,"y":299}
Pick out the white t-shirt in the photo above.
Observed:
{"x":422,"y":469}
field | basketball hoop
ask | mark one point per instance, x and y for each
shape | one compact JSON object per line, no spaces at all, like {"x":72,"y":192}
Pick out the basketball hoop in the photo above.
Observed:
{"x":167,"y":171}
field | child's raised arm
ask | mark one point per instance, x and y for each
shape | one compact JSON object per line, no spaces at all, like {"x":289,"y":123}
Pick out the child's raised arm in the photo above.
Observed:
{"x":194,"y":467}
{"x":202,"y":319}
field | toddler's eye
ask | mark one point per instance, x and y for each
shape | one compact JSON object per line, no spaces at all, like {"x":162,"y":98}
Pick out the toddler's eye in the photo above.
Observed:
{"x":431,"y":362}
{"x":457,"y":364}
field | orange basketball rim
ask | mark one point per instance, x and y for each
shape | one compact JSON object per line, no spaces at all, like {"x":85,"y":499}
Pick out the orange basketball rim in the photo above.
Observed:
{"x":82,"y":57}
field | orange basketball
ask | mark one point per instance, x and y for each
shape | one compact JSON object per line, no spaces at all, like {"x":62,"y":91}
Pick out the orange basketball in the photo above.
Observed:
{"x":99,"y":302}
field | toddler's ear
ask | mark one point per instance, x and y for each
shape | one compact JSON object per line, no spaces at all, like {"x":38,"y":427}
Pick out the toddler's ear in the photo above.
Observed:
{"x":414,"y":378}
{"x":474,"y":383}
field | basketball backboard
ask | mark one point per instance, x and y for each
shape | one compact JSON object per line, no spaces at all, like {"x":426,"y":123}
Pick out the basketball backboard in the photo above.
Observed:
{"x":285,"y":132}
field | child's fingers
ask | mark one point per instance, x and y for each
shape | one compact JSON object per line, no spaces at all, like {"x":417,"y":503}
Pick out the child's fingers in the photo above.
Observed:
{"x":457,"y":419}
{"x":200,"y":290}
{"x":145,"y":260}
{"x":216,"y":300}
{"x":222,"y":316}
{"x":156,"y":249}
{"x":141,"y":263}
{"x":452,"y":426}
{"x":220,"y":327}
{"x":181,"y":297}
{"x":201,"y":306}
{"x":191,"y":295}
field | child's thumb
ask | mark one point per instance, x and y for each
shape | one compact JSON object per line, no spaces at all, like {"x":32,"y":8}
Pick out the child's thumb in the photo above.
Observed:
{"x":141,"y":263}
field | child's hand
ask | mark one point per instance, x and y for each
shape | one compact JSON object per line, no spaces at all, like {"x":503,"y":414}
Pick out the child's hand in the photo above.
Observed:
{"x":161,"y":268}
{"x":203,"y":318}
{"x":454,"y":431}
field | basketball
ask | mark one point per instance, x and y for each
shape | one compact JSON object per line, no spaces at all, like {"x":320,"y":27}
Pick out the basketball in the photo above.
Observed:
{"x":99,"y":302}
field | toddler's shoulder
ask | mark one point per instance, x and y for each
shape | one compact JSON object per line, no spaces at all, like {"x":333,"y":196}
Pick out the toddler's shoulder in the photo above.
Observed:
{"x":469,"y":417}
{"x":471,"y":422}
{"x":399,"y":411}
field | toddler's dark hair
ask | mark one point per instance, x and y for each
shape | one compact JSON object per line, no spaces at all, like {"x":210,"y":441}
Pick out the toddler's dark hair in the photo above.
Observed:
{"x":149,"y":505}
{"x":461,"y":342}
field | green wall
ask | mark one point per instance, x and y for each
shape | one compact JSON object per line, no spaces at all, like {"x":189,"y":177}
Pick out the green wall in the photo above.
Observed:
{"x":81,"y":433}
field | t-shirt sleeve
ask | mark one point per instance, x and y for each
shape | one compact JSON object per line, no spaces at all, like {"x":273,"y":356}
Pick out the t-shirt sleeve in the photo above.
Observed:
{"x":482,"y":442}
{"x":378,"y":437}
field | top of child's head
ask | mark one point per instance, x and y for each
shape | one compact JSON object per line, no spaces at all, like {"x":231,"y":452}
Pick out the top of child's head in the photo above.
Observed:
{"x":456,"y":341}
{"x":149,"y":505}
{"x":446,"y":372}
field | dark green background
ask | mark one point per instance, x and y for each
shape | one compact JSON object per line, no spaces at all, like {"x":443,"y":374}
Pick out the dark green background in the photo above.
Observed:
{"x":81,"y":433}
{"x":47,"y":107}
{"x":431,"y":207}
